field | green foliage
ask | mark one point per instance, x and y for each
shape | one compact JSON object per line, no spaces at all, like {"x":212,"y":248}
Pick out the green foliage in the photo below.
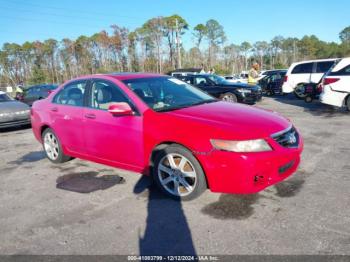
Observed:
{"x":344,"y":35}
{"x":156,"y":47}
{"x":38,"y":76}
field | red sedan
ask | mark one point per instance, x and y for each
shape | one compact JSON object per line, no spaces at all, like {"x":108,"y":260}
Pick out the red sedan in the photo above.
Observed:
{"x":160,"y":126}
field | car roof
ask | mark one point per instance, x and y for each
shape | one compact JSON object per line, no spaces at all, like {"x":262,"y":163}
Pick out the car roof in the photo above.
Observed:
{"x":317,"y":60}
{"x":124,"y":76}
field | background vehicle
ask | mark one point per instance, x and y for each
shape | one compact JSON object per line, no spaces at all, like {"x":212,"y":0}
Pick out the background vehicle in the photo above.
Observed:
{"x":220,"y":88}
{"x":336,"y":84}
{"x":272,"y":82}
{"x":154,"y":125}
{"x":186,"y":71}
{"x":12,"y":112}
{"x":34,"y":93}
{"x":305,"y":72}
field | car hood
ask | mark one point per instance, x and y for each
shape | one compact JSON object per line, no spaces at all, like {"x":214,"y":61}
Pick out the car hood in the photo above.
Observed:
{"x":12,"y":106}
{"x":234,"y":121}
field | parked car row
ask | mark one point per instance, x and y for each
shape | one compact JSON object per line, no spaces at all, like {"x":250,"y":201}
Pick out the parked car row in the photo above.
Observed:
{"x":326,"y":79}
{"x":219,"y":87}
{"x":305,"y":72}
{"x":34,"y":93}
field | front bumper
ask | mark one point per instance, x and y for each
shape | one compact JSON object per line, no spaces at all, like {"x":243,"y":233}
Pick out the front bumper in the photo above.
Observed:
{"x":251,"y":98}
{"x":15,"y":123}
{"x":247,"y":173}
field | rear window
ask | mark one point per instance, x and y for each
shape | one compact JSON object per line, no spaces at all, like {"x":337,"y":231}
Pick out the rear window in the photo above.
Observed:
{"x":346,"y":70}
{"x":323,"y":67}
{"x":303,"y":69}
{"x":342,"y":72}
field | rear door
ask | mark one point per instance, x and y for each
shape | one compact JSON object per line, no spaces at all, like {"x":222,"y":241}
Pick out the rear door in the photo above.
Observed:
{"x":66,"y":114}
{"x":301,"y":73}
{"x":320,"y":69}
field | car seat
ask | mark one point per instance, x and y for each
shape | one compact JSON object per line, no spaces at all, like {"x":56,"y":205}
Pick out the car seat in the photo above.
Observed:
{"x":75,"y":97}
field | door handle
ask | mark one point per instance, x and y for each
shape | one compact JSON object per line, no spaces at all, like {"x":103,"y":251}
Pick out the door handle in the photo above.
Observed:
{"x":54,"y":109}
{"x":90,"y":116}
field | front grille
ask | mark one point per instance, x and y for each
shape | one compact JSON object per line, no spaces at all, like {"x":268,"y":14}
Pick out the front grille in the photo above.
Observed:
{"x":287,"y":138}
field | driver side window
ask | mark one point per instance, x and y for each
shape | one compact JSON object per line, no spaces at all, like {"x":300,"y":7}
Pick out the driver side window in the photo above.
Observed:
{"x":72,"y":94}
{"x":201,"y":81}
{"x":104,"y":93}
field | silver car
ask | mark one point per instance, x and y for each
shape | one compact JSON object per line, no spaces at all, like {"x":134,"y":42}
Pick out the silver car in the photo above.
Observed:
{"x":12,"y":112}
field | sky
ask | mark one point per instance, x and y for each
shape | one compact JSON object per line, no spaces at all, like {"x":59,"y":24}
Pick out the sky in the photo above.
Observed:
{"x":251,"y":21}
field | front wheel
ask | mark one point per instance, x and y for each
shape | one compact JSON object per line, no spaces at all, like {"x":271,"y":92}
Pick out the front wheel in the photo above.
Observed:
{"x":229,"y":97}
{"x":178,"y":173}
{"x":53,"y":147}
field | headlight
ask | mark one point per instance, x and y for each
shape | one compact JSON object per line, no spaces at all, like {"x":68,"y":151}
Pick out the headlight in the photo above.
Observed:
{"x":243,"y":90}
{"x":4,"y":114}
{"x":257,"y":145}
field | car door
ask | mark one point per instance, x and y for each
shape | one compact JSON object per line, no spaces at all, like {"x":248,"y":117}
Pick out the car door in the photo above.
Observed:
{"x":116,"y":139}
{"x":66,"y":114}
{"x":320,"y":69}
{"x":205,"y":84}
{"x":301,"y":73}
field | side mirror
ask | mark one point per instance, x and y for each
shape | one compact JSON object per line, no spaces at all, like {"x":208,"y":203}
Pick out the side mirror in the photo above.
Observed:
{"x":120,"y":109}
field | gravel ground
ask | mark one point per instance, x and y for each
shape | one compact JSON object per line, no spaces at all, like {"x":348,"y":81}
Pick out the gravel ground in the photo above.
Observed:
{"x":85,"y":208}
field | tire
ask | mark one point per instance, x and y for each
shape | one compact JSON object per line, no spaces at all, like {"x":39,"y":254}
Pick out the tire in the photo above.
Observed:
{"x":299,"y":91}
{"x":229,"y":97}
{"x":270,"y":93}
{"x":348,"y":103}
{"x":180,"y":183}
{"x":53,"y":148}
{"x":308,"y":99}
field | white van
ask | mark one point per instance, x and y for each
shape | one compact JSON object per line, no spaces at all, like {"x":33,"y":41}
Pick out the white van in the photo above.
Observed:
{"x":305,"y":72}
{"x":336,"y":84}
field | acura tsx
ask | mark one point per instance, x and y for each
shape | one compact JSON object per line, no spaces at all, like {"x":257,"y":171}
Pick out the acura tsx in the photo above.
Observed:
{"x":186,"y":140}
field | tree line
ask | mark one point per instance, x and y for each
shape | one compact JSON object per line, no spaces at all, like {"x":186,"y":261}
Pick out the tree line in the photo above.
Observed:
{"x":156,"y":46}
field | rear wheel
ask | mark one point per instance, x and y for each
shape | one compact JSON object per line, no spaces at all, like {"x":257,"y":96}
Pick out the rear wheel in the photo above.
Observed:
{"x":229,"y":97}
{"x":270,"y":93}
{"x":308,"y":99}
{"x":178,"y":173}
{"x":53,"y":148}
{"x":299,"y":91}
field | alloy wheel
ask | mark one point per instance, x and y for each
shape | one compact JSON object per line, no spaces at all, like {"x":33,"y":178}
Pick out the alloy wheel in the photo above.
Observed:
{"x":51,"y":146}
{"x":177,"y":174}
{"x":229,"y":98}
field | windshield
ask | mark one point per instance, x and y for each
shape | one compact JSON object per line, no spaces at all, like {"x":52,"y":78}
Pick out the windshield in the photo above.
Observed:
{"x":217,"y":79}
{"x":5,"y":98}
{"x":167,"y":93}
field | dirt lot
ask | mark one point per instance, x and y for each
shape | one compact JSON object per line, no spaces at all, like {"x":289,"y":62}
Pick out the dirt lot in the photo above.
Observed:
{"x":85,"y":208}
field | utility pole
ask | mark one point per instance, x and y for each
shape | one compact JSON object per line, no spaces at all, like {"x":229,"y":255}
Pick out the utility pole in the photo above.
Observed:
{"x":293,"y":51}
{"x":178,"y":43}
